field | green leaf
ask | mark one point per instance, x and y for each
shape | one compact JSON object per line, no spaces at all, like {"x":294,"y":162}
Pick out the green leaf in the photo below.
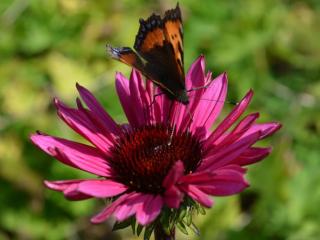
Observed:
{"x":147,"y":232}
{"x":122,"y":225}
{"x":133,"y":225}
{"x":201,"y":210}
{"x":139,"y":229}
{"x":195,"y":229}
{"x":182,"y":228}
{"x":189,"y":219}
{"x":182,"y":213}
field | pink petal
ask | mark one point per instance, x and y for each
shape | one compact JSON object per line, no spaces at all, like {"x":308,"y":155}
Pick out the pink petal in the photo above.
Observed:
{"x":95,"y":120}
{"x":98,"y":110}
{"x":173,"y":197}
{"x":109,"y":210}
{"x":133,"y":93}
{"x":225,"y":155}
{"x":176,"y":172}
{"x":266,"y":129}
{"x":196,"y":178}
{"x":195,"y":76}
{"x":238,"y":131}
{"x":61,"y":185}
{"x":139,"y":98}
{"x":164,"y":104}
{"x":252,"y":155}
{"x":150,"y":89}
{"x":196,"y":194}
{"x":146,"y":206}
{"x":245,"y":124}
{"x":181,"y":114}
{"x":156,"y":104}
{"x":68,"y":187}
{"x":74,"y":154}
{"x":196,"y":94}
{"x":149,"y":210}
{"x":207,"y":111}
{"x":101,"y":188}
{"x":230,"y":119}
{"x":123,"y":90}
{"x":80,"y":123}
{"x":226,"y":181}
{"x":129,"y":207}
{"x":156,"y":107}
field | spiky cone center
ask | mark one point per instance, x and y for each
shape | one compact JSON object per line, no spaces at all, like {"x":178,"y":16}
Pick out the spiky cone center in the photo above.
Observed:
{"x":142,"y":157}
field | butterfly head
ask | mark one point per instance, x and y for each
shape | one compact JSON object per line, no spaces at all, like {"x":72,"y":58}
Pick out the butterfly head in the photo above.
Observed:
{"x":183,"y":97}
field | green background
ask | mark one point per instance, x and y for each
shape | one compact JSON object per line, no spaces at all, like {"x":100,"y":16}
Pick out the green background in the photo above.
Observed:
{"x":270,"y":46}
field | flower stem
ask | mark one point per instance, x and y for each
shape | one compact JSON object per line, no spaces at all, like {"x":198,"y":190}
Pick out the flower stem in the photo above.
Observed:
{"x":160,"y":234}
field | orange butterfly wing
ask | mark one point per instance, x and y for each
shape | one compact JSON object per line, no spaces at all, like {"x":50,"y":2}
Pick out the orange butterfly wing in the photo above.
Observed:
{"x":173,"y":30}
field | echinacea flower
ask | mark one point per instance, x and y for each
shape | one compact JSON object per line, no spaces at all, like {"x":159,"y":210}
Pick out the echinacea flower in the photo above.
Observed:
{"x":166,"y":160}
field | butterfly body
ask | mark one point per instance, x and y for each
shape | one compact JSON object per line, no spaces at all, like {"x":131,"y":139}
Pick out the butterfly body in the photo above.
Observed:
{"x":159,"y":53}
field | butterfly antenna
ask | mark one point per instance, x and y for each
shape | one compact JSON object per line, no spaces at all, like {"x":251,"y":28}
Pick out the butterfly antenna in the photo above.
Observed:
{"x":213,"y":100}
{"x":219,"y":101}
{"x":202,"y":87}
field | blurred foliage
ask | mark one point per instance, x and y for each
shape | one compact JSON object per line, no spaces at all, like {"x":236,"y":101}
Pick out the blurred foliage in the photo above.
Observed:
{"x":271,"y":46}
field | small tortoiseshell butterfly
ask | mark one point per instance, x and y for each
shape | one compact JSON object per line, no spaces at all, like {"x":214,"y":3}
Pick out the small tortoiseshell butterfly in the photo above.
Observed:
{"x":159,"y":53}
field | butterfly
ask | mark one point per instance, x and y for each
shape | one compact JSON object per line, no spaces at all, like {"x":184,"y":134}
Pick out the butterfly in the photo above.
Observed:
{"x":158,"y":53}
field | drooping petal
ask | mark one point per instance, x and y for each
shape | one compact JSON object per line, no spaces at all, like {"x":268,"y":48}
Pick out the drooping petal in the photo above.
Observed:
{"x":196,"y":194}
{"x":146,"y":207}
{"x":229,"y":120}
{"x":80,"y":123}
{"x":129,"y":207}
{"x":176,"y":172}
{"x":173,"y":197}
{"x":225,"y":181}
{"x":98,"y":110}
{"x":74,"y":154}
{"x":69,"y":188}
{"x":101,"y":188}
{"x":109,"y":210}
{"x":150,"y":209}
